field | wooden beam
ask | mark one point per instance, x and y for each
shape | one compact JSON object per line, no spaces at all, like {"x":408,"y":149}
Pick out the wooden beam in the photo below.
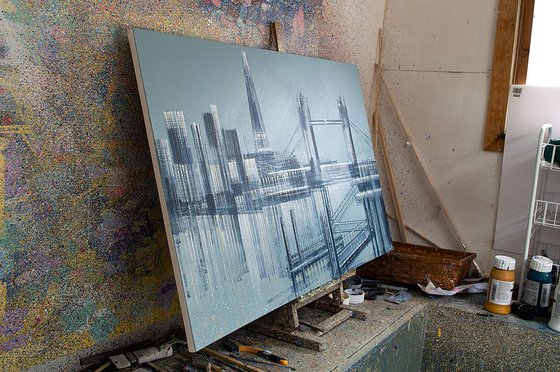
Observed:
{"x":416,"y":232}
{"x":379,"y":135}
{"x":501,"y":75}
{"x":303,"y":339}
{"x":523,"y":41}
{"x":331,"y":307}
{"x":276,"y":39}
{"x":391,"y":178}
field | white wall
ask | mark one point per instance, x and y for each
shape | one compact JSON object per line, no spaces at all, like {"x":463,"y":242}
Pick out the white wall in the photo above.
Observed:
{"x":437,"y":60}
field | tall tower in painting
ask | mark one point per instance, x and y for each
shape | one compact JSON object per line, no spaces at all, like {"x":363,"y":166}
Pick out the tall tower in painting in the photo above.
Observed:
{"x":350,"y":148}
{"x":259,"y":132}
{"x":169,"y":177}
{"x":178,"y":136}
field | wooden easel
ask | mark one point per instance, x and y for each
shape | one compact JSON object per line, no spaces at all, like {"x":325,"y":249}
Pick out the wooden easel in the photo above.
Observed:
{"x":276,"y":36}
{"x":284,"y":322}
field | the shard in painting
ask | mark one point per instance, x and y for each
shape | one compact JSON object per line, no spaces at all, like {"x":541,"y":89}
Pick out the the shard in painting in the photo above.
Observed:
{"x":266,"y":174}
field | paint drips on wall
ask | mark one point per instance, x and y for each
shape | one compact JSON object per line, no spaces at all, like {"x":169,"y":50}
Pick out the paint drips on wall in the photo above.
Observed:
{"x":82,"y":248}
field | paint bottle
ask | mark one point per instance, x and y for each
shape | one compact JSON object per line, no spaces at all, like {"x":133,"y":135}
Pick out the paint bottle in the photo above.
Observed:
{"x":500,"y":286}
{"x":536,"y":291}
{"x":554,"y":322}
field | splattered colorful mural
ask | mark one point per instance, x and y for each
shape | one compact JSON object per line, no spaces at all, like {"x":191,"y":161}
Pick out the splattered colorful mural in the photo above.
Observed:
{"x":83,"y":255}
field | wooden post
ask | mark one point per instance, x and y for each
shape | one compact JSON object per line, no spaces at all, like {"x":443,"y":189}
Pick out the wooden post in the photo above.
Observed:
{"x":523,"y":46}
{"x":378,"y":134}
{"x":276,"y":39}
{"x":392,"y":185}
{"x":501,"y":75}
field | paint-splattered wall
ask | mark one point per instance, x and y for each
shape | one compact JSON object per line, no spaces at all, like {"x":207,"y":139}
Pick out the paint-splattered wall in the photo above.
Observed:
{"x":83,"y":255}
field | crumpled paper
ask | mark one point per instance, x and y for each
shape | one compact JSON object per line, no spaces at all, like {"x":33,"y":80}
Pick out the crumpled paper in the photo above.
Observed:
{"x":430,"y":288}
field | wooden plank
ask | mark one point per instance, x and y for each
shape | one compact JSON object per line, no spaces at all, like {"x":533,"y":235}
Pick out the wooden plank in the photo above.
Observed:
{"x":501,"y":75}
{"x":339,"y":316}
{"x":377,"y":85}
{"x":285,"y":317}
{"x":335,"y":320}
{"x":316,"y":294}
{"x":315,"y":326}
{"x":276,"y":39}
{"x":329,"y":306}
{"x":391,"y":177}
{"x":356,"y":314}
{"x":523,"y":41}
{"x":323,"y":290}
{"x":378,"y":134}
{"x":302,"y":339}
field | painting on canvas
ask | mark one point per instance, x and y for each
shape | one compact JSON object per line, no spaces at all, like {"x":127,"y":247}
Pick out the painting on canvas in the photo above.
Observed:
{"x":266,"y":175}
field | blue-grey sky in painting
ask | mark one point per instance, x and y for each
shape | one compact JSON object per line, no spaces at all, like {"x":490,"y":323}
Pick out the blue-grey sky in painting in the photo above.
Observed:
{"x":187,"y":74}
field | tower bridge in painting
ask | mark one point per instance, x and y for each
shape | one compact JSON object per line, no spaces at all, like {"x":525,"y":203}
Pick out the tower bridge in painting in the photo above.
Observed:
{"x":267,"y":213}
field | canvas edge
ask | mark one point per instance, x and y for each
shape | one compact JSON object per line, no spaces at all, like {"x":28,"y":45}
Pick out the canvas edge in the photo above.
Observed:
{"x":161,"y":194}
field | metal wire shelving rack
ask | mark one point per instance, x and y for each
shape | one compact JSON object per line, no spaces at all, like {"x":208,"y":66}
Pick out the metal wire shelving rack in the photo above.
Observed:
{"x":545,"y":210}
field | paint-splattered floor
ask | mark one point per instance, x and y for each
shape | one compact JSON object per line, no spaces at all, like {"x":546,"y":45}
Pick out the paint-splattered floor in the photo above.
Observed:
{"x":422,"y":334}
{"x":348,"y":345}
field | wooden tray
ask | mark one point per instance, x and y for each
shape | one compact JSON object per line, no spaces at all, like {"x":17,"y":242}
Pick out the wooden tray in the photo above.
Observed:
{"x":413,"y":264}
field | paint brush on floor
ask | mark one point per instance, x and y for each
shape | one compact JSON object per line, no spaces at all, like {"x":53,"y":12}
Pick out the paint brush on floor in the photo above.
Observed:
{"x":236,"y":346}
{"x":263,"y":353}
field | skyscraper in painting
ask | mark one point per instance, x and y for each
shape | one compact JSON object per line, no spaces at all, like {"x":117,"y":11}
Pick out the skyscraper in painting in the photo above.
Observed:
{"x":323,"y":244}
{"x":259,"y":132}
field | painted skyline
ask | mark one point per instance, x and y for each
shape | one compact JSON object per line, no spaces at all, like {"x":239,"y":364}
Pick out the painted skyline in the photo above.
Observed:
{"x":257,"y":219}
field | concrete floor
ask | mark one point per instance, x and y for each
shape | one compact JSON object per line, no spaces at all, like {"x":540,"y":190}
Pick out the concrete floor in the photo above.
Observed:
{"x":461,"y":336}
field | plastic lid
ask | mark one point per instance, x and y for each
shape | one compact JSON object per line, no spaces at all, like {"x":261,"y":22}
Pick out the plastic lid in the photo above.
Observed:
{"x":504,"y":263}
{"x":541,"y":264}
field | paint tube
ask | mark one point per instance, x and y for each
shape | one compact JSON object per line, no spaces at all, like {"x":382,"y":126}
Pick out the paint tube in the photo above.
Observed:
{"x":141,"y":356}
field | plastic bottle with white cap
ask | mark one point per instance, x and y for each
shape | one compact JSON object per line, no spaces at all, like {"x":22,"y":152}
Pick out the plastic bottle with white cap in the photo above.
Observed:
{"x":500,"y":285}
{"x":536,"y":290}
